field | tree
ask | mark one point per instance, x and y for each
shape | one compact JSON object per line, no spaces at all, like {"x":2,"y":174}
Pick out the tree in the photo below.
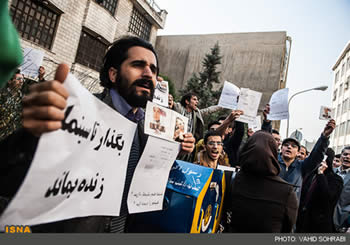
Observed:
{"x":203,"y":83}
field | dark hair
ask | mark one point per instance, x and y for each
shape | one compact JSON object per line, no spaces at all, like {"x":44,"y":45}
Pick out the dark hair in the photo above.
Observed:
{"x":307,"y":152}
{"x":188,"y":97}
{"x":221,"y":118}
{"x":211,"y":133}
{"x":330,"y":156}
{"x":345,"y":148}
{"x":337,"y":156}
{"x":117,"y":53}
{"x":18,"y":71}
{"x":274,"y":131}
{"x":213,"y":123}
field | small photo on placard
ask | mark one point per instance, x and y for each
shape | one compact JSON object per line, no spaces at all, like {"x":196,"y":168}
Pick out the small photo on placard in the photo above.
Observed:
{"x":326,"y":113}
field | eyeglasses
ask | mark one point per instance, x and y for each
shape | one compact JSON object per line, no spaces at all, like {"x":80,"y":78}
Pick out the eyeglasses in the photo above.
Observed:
{"x":19,"y":78}
{"x":212,"y":143}
{"x":290,"y":144}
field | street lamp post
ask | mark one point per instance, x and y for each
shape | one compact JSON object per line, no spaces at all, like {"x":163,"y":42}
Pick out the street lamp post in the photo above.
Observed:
{"x":322,"y":88}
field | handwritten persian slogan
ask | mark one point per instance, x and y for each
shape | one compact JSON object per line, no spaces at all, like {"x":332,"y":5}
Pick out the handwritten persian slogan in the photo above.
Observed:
{"x":164,"y":123}
{"x":32,"y":60}
{"x":151,"y":175}
{"x":161,"y":93}
{"x":78,"y":170}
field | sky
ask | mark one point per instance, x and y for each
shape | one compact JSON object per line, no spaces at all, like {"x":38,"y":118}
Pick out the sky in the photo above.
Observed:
{"x":320,"y":30}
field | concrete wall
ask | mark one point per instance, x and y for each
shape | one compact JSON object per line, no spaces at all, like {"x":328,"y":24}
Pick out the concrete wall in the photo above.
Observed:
{"x":250,"y":60}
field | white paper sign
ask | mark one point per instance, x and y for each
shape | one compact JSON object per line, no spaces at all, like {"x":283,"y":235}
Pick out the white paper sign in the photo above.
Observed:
{"x":164,"y":123}
{"x":326,"y":113}
{"x":248,"y":102}
{"x":32,"y":60}
{"x":161,"y":93}
{"x":223,"y":168}
{"x":256,"y":125}
{"x":279,"y":105}
{"x":78,"y":170}
{"x":148,"y":185}
{"x":229,"y":96}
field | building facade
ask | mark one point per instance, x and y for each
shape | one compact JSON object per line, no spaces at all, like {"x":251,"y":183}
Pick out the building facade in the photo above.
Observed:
{"x":341,"y":100}
{"x":255,"y":60}
{"x":78,"y":32}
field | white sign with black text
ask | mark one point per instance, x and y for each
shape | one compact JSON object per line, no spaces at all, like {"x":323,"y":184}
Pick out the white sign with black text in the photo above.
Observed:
{"x":150,"y":178}
{"x":78,"y":170}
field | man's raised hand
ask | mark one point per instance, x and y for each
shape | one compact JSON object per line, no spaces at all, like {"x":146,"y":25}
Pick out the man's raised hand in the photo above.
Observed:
{"x":43,"y":106}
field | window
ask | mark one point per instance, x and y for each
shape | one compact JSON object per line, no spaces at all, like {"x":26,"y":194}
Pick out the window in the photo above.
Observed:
{"x":35,"y":21}
{"x":339,"y":148}
{"x":110,"y":5}
{"x":340,"y":90}
{"x":338,"y":110}
{"x":342,"y":131}
{"x":343,"y":69}
{"x":336,"y":77}
{"x":91,"y":50}
{"x":346,"y":84}
{"x":345,"y":106}
{"x":336,"y":131}
{"x":139,"y":25}
{"x":348,"y":127}
{"x":335,"y":94}
{"x":348,"y":63}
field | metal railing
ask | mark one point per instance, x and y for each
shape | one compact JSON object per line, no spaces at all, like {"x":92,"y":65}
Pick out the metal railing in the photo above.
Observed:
{"x":154,"y":5}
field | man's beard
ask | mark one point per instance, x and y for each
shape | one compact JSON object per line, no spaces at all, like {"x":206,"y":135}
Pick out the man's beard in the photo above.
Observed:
{"x":129,"y":93}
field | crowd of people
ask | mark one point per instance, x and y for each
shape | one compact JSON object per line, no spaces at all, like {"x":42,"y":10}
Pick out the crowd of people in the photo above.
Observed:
{"x":279,"y":186}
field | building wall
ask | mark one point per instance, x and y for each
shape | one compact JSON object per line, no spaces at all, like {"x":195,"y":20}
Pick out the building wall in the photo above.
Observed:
{"x":89,"y":14}
{"x":341,"y":94}
{"x":250,"y":60}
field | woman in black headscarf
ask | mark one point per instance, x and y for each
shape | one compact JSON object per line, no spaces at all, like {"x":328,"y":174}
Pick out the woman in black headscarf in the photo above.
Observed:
{"x":319,"y":194}
{"x":260,"y":201}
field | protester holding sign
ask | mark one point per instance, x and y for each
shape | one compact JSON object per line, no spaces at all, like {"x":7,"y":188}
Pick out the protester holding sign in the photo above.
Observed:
{"x":293,"y":170}
{"x":129,"y":72}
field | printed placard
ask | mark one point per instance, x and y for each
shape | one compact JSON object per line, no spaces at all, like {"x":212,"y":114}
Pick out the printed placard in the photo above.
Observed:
{"x":326,"y":113}
{"x":279,"y":105}
{"x":164,"y":123}
{"x":229,"y":96}
{"x":32,"y":60}
{"x":161,"y":93}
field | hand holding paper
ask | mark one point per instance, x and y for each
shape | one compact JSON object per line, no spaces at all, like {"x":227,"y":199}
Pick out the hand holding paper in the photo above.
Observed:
{"x":266,"y":111}
{"x":43,"y":106}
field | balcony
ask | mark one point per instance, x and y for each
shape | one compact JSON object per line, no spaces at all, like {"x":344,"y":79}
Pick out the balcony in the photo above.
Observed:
{"x":152,"y":12}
